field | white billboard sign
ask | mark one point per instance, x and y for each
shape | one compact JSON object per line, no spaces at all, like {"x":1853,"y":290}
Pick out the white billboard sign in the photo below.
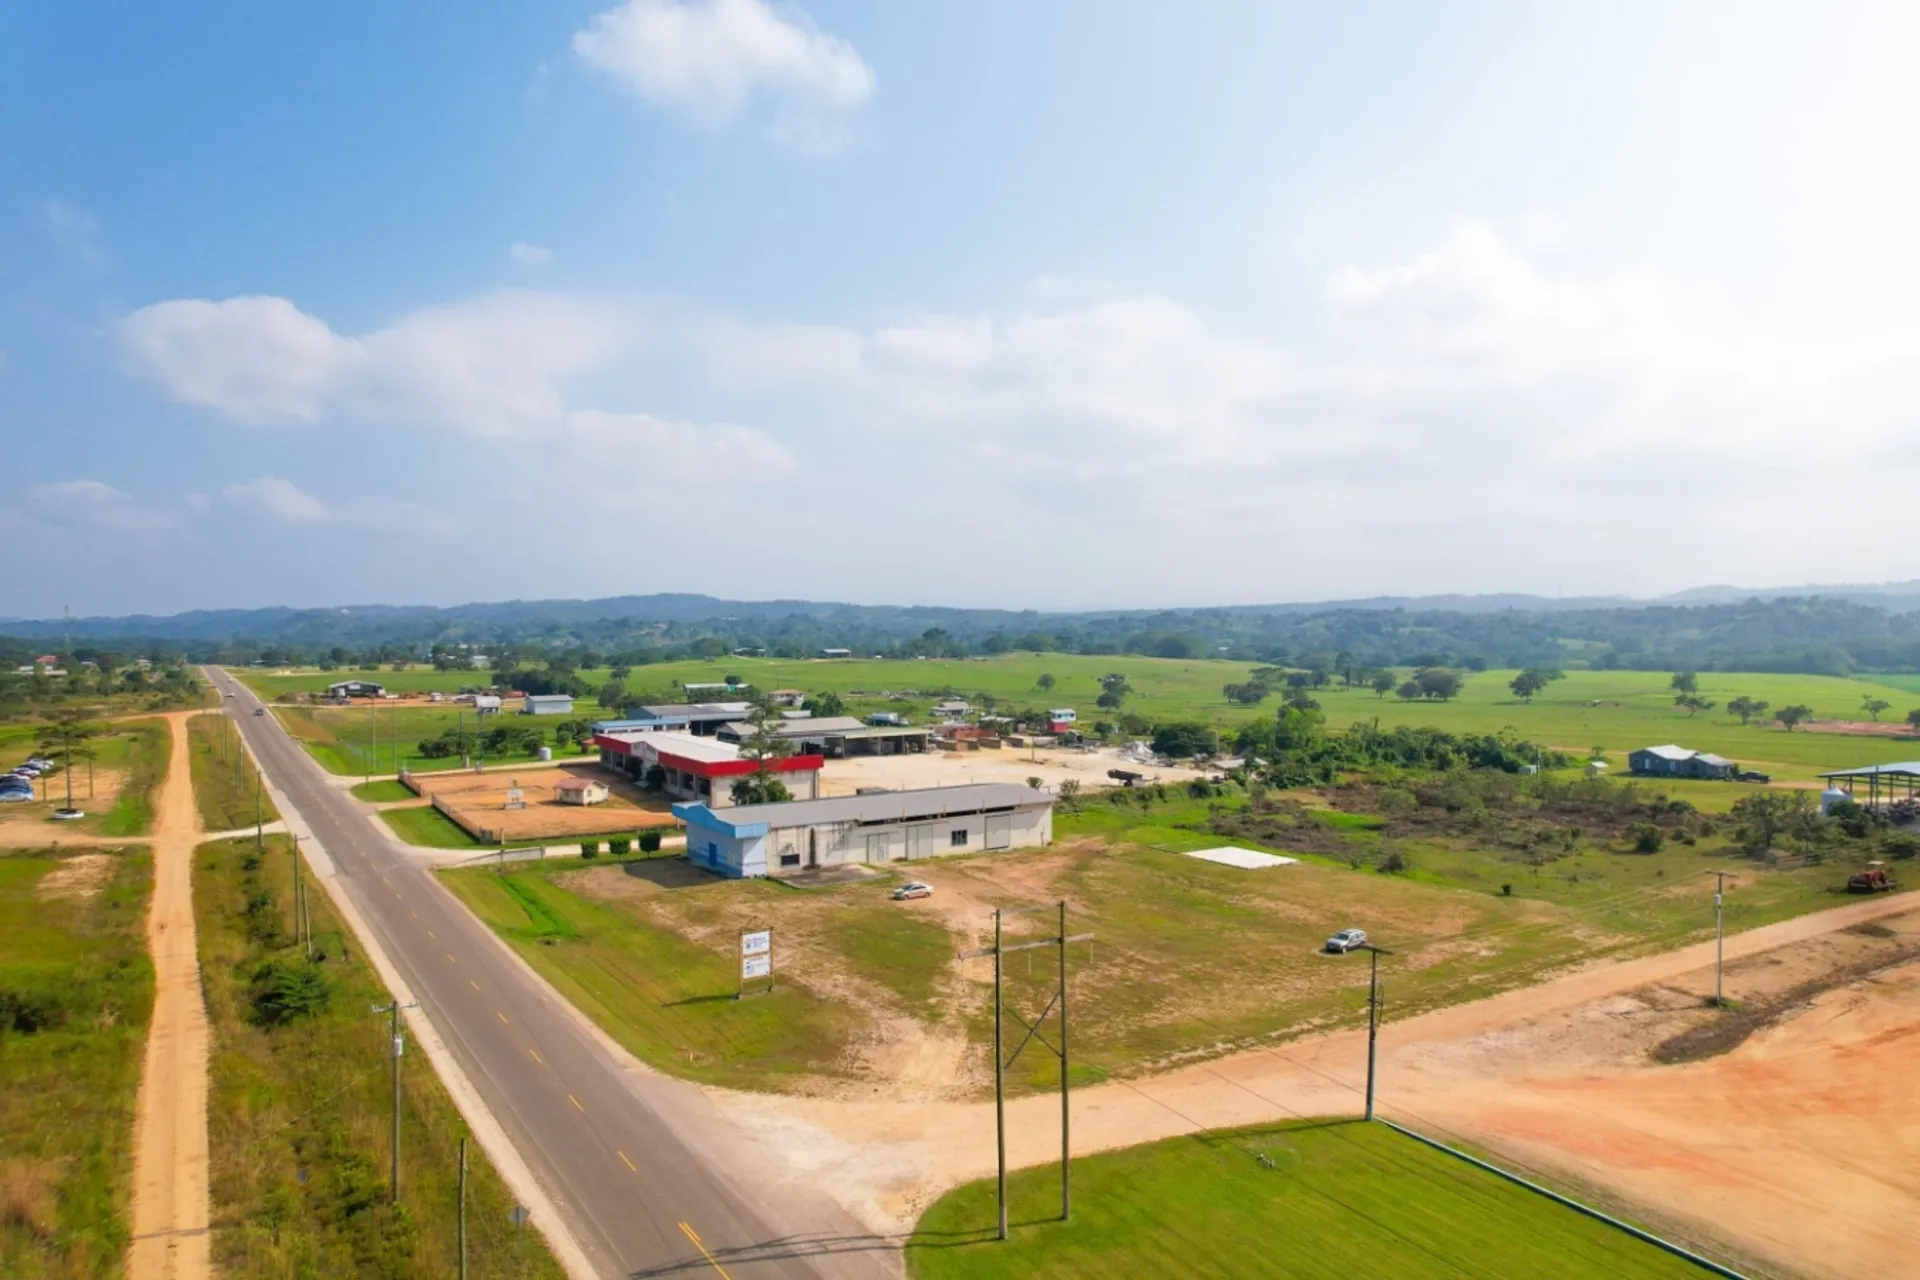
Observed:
{"x":755,"y":967}
{"x":756,"y":944}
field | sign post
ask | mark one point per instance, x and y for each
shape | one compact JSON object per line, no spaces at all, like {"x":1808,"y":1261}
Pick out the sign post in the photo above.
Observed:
{"x":756,"y":961}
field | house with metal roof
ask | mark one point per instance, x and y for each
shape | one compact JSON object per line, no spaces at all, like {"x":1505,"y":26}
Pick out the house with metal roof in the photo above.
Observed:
{"x":1673,"y":761}
{"x":705,"y":770}
{"x":875,"y":828}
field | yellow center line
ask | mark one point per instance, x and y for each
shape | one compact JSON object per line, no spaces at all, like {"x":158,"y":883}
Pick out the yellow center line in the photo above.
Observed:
{"x":433,"y":935}
{"x":576,"y":1103}
{"x":413,"y":913}
{"x":695,"y":1237}
{"x":625,"y":1161}
{"x":537,"y":1058}
{"x":450,"y":959}
{"x":500,"y":1015}
{"x":473,"y":984}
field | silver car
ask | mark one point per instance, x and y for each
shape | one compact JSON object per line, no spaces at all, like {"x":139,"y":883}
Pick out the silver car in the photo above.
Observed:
{"x":1346,"y":940}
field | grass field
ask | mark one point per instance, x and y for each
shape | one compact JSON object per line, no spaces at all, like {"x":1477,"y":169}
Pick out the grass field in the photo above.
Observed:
{"x":382,"y":740}
{"x":382,"y":791}
{"x":638,"y":948}
{"x":76,"y":990}
{"x":1620,"y":710}
{"x":298,"y":1113}
{"x":1341,"y":1198}
{"x":225,"y":784}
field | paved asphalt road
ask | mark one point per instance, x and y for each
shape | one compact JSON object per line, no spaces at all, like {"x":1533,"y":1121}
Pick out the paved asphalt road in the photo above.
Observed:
{"x":610,"y":1146}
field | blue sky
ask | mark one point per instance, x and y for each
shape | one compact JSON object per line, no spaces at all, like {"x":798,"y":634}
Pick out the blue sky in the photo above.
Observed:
{"x":1037,"y":304}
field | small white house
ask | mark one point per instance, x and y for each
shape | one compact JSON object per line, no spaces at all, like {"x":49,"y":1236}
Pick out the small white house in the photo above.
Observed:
{"x":578,"y":790}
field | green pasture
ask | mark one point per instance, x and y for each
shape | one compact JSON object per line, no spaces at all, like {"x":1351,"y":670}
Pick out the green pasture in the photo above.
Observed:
{"x":382,"y":791}
{"x":1619,"y":710}
{"x":1310,"y":1199}
{"x":298,"y":1112}
{"x":76,"y":991}
{"x":668,"y":1000}
{"x":377,"y":739}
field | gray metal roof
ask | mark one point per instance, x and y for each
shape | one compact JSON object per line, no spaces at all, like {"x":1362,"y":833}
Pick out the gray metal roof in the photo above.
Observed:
{"x":890,"y":806}
{"x":698,"y":710}
{"x":1707,"y":757}
{"x":1670,"y":752}
{"x":1903,"y":769}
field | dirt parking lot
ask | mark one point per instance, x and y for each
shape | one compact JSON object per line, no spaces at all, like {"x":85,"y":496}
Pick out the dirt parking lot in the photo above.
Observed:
{"x":478,"y":802}
{"x":1008,"y":764}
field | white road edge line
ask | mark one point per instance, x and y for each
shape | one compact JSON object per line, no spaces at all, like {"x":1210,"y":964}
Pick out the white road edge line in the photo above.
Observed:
{"x":486,"y":1129}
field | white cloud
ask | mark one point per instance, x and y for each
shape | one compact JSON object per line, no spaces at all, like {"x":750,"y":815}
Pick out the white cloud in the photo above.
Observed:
{"x":708,"y":59}
{"x":277,"y":499}
{"x":522,"y":254}
{"x":94,"y":504}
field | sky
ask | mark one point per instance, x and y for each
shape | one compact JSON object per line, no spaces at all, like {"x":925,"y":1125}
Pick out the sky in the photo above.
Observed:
{"x":1038,"y":303}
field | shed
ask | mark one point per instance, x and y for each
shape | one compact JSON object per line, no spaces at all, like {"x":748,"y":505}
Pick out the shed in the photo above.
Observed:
{"x":356,"y":689}
{"x":1672,"y":761}
{"x":578,"y":790}
{"x":547,"y":704}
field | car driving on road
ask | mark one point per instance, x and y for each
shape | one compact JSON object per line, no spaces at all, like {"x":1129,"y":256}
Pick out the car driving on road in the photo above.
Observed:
{"x":1346,"y":940}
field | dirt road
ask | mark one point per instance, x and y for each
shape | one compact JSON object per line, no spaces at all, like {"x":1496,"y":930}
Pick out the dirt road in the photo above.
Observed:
{"x":1737,"y":1148}
{"x":170,"y":1216}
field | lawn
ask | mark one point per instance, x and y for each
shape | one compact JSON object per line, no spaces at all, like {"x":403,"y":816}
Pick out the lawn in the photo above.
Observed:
{"x":298,"y":1113}
{"x":429,"y":828}
{"x":381,"y":740}
{"x":76,"y":990}
{"x":383,"y":791}
{"x":225,"y":783}
{"x":668,"y":999}
{"x":1330,"y":1198}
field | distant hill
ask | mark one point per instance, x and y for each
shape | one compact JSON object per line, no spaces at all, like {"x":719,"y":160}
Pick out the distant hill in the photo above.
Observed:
{"x":1826,"y":630}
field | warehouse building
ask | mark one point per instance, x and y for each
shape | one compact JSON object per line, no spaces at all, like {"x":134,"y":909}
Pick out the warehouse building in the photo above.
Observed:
{"x":835,"y":737}
{"x":879,"y":827}
{"x":356,"y":689}
{"x":701,"y":719}
{"x":547,"y":704}
{"x":698,"y":769}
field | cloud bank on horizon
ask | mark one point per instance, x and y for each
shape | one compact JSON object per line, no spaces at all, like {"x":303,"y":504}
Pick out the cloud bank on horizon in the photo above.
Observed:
{"x":1491,"y":400}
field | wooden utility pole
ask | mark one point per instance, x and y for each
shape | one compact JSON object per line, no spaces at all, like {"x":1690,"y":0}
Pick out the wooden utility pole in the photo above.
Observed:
{"x":1719,"y":936}
{"x":1002,"y":1060}
{"x":1373,"y":1014}
{"x":463,"y":1209}
{"x":392,"y":1009}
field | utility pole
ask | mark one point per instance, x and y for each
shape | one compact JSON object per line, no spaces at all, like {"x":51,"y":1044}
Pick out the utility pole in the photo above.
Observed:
{"x":1373,"y":1014}
{"x":299,"y":903}
{"x":393,"y":1008}
{"x":1002,"y":1060}
{"x":1719,"y":936}
{"x":463,"y":1209}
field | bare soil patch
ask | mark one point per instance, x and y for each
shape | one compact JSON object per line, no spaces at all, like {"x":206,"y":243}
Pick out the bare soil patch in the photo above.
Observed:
{"x":477,"y":801}
{"x":82,"y":876}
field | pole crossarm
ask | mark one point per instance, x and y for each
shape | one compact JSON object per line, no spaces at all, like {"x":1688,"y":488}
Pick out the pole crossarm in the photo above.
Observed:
{"x":981,"y":952}
{"x":1033,"y":1030}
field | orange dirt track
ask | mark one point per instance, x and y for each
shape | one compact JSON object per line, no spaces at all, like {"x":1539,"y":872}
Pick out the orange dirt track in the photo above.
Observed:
{"x":170,"y":1215}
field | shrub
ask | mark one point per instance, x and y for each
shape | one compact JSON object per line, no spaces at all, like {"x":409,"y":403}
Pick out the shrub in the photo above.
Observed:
{"x":1396,"y":800}
{"x":649,"y":842}
{"x":286,"y":991}
{"x":618,"y":846}
{"x":589,"y":848}
{"x":1395,"y":862}
{"x":1647,"y":838}
{"x":1901,"y":848}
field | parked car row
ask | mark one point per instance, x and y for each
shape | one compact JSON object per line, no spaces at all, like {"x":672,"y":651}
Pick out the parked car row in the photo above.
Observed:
{"x":16,"y":785}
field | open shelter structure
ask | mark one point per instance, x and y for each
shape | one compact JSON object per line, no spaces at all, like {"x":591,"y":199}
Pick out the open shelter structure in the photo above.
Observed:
{"x":1885,"y":782}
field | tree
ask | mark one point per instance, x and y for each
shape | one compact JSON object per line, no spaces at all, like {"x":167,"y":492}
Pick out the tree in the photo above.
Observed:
{"x":1747,"y":709}
{"x":1684,"y":682}
{"x":825,"y":704}
{"x":1185,"y":738}
{"x":65,"y":740}
{"x":1383,"y":683}
{"x":1046,"y":682}
{"x":1793,"y":715}
{"x":1438,"y":682}
{"x":1694,"y":703}
{"x":1114,"y":689}
{"x":1301,"y":700}
{"x":1874,"y":706}
{"x":763,"y":746}
{"x":1409,"y":691}
{"x":1247,"y":694}
{"x":755,"y":788}
{"x":1765,"y":815}
{"x":1913,"y":719}
{"x":1533,"y":680}
{"x":614,"y":696}
{"x":1070,"y":793}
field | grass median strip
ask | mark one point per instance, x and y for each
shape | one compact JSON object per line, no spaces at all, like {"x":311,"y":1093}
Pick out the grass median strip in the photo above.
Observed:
{"x":225,"y":784}
{"x":76,"y":991}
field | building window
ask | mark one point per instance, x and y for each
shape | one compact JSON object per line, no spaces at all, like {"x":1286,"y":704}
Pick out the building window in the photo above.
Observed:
{"x":958,"y":838}
{"x":789,"y":859}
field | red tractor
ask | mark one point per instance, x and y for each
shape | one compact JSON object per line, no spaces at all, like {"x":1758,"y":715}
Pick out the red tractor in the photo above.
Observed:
{"x":1872,"y":880}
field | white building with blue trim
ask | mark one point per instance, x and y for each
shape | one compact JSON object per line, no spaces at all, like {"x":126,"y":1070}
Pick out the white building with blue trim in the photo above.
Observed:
{"x":876,"y":828}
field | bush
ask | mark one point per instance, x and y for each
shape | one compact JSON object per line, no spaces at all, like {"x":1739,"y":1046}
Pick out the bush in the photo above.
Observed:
{"x":286,"y":991}
{"x":1396,"y":800}
{"x":1647,"y":838}
{"x":1395,"y":862}
{"x":1901,"y":848}
{"x":589,"y":848}
{"x":649,"y":842}
{"x":618,"y":846}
